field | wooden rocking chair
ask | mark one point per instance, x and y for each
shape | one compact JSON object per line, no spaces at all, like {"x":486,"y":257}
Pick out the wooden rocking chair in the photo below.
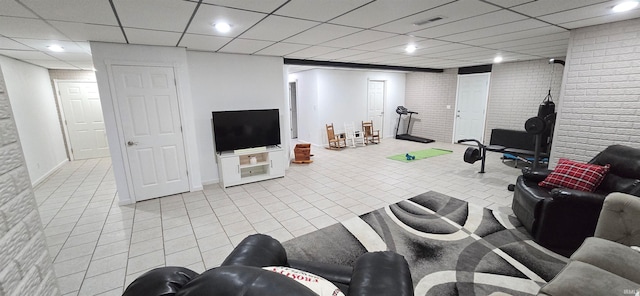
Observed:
{"x":370,"y":135}
{"x":335,"y":142}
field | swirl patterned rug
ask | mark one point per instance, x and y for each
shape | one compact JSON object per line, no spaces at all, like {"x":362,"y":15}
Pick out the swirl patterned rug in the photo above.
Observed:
{"x":453,"y":247}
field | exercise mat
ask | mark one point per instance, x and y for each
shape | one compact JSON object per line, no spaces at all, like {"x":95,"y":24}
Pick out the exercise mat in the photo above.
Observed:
{"x":420,"y":154}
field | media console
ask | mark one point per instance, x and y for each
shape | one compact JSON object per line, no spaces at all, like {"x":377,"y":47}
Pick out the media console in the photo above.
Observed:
{"x":236,"y":168}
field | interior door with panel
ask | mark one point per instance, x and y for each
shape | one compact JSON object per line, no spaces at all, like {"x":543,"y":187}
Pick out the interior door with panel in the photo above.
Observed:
{"x":375,"y":103}
{"x":150,"y":121}
{"x":471,"y":105}
{"x":83,"y":119}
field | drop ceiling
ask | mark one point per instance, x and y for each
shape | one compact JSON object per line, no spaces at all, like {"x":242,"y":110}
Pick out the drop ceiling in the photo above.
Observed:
{"x":467,"y":32}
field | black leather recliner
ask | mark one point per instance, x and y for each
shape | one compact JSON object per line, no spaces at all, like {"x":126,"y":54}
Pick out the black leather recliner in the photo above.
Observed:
{"x":561,"y":219}
{"x":374,"y":273}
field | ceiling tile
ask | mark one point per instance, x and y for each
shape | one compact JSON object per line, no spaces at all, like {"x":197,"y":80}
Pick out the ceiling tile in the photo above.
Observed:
{"x":548,"y":30}
{"x":150,"y":37}
{"x":6,"y":43}
{"x":473,"y":23}
{"x":367,"y":55}
{"x":312,"y":51}
{"x":72,"y":56}
{"x":450,"y":12}
{"x":359,"y":38}
{"x":592,"y":11}
{"x":281,"y":49}
{"x":203,"y":42}
{"x":13,"y":8}
{"x":608,"y":18}
{"x":245,"y":46}
{"x":276,"y":28}
{"x":383,"y":11}
{"x":83,"y":32}
{"x":83,"y":65}
{"x":497,"y":30}
{"x":26,"y":54}
{"x":509,"y":3}
{"x":40,"y":44}
{"x":400,"y":41}
{"x":23,"y":27}
{"x":321,"y":34}
{"x":261,"y":6}
{"x":537,"y":45}
{"x":208,"y":15}
{"x":81,"y":11}
{"x":319,"y":10}
{"x":52,"y":64}
{"x":542,"y":7}
{"x":139,"y":14}
{"x":557,"y":37}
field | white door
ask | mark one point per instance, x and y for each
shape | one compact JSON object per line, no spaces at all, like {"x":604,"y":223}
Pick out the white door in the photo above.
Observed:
{"x":293,"y":108}
{"x":375,"y":104}
{"x":83,"y":118}
{"x":150,"y":122}
{"x":471,"y":105}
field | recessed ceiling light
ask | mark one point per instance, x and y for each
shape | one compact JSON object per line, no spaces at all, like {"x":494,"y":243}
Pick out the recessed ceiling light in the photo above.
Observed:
{"x":222,"y":27}
{"x":410,"y":48}
{"x":56,"y":48}
{"x":497,"y":59}
{"x":625,"y":6}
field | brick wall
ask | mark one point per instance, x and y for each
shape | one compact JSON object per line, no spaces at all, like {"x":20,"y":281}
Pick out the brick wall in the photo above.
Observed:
{"x":516,"y":90}
{"x":25,"y":265}
{"x":600,"y":101}
{"x":429,"y":94}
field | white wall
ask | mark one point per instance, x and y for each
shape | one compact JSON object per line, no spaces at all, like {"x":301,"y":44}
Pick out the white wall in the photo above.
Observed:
{"x":222,"y":82}
{"x":36,"y":117}
{"x":429,"y":94}
{"x":600,"y":100}
{"x":107,"y":54}
{"x":516,"y":91}
{"x":339,"y":97}
{"x":25,"y":264}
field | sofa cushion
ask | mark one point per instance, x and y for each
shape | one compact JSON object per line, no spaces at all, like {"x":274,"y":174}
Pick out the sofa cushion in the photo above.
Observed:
{"x":575,"y":175}
{"x":610,"y":256}
{"x":579,"y":278}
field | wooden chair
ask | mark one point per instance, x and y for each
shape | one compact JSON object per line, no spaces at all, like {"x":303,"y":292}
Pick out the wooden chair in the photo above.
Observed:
{"x":370,"y":135}
{"x":335,"y":142}
{"x":353,"y":135}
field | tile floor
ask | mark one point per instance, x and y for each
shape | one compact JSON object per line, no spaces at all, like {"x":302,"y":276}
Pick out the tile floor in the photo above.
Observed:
{"x":99,"y":247}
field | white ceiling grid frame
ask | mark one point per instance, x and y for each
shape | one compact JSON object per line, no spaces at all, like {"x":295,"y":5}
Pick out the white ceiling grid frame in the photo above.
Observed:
{"x":207,"y":15}
{"x":321,"y":11}
{"x":383,"y":11}
{"x":277,"y":28}
{"x":83,"y":11}
{"x":145,"y":14}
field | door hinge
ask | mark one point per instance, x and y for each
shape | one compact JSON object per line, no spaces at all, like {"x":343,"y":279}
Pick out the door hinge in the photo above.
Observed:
{"x":187,"y":173}
{"x":181,"y":128}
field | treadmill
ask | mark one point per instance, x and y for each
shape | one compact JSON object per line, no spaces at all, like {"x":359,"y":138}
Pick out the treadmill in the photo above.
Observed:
{"x":401,"y":110}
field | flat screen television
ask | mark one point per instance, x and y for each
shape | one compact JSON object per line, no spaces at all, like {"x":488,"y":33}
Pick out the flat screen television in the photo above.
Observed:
{"x":242,"y":129}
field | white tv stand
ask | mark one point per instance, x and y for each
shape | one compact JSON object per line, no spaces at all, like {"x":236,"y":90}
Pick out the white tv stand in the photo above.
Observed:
{"x":235,"y":168}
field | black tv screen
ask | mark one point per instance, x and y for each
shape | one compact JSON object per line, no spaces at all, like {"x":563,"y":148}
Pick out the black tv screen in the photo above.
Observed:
{"x":246,"y":129}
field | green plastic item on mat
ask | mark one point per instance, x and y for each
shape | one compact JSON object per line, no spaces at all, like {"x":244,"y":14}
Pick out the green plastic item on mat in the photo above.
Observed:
{"x":421,"y":154}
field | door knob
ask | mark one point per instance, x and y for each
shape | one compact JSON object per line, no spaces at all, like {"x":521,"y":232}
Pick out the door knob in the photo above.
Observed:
{"x":131,"y":143}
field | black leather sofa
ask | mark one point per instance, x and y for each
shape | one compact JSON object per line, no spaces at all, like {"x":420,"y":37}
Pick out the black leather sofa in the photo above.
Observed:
{"x":561,"y":219}
{"x":374,"y":273}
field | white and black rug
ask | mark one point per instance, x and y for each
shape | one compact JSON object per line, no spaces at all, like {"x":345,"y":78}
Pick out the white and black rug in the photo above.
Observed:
{"x":453,"y":247}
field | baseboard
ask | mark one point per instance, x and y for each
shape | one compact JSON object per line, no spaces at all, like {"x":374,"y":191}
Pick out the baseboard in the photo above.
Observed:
{"x":49,"y":173}
{"x":210,"y":182}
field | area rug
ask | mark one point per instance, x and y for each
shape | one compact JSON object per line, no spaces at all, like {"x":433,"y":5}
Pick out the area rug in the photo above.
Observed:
{"x":421,"y":154}
{"x":452,"y":247}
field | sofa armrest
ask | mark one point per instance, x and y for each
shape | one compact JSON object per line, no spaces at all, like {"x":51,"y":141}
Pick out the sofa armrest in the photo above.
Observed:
{"x":162,"y":281}
{"x":536,"y":175}
{"x":577,"y":196}
{"x":620,"y":219}
{"x":381,"y":274}
{"x":257,"y":250}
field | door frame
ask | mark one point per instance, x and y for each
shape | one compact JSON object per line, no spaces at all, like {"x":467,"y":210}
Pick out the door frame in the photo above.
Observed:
{"x":121,"y":138}
{"x":293,"y":117}
{"x":384,"y":101}
{"x":486,"y":105}
{"x":61,"y":115}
